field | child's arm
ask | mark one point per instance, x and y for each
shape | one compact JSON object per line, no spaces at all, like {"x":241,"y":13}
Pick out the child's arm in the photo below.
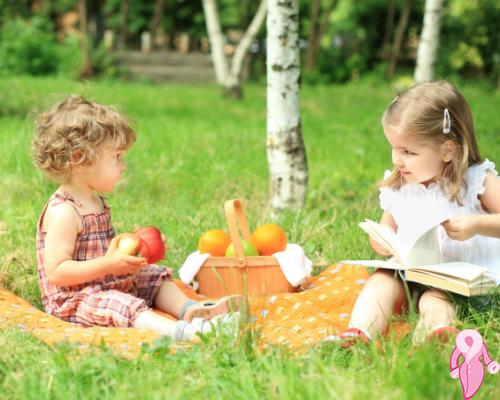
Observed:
{"x":466,"y":226}
{"x":62,"y":226}
{"x":387,"y":220}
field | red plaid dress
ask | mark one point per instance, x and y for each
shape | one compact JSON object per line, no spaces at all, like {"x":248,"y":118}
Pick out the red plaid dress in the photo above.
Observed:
{"x":109,"y":301}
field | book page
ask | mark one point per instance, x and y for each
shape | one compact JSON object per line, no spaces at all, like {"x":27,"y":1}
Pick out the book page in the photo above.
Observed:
{"x":385,"y":236}
{"x":374,"y":264}
{"x":425,"y":251}
{"x":462,"y":270}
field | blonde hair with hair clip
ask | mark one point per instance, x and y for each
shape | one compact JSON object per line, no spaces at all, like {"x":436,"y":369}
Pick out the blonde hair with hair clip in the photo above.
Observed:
{"x":420,"y":111}
{"x":77,"y":126}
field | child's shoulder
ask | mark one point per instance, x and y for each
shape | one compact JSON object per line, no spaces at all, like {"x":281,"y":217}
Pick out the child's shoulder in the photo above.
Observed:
{"x":477,"y":173}
{"x":479,"y":177}
{"x":60,"y":213}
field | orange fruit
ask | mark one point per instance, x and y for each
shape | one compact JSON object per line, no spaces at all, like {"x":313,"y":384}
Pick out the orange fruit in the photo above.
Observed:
{"x":215,"y":242}
{"x":269,"y":239}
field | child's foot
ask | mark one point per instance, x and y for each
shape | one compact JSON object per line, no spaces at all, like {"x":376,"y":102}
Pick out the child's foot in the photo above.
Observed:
{"x":352,"y":336}
{"x":184,"y":331}
{"x":209,"y":309}
{"x":225,"y":323}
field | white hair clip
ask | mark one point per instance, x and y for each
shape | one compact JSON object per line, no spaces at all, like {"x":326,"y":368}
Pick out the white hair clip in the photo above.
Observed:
{"x":446,"y":122}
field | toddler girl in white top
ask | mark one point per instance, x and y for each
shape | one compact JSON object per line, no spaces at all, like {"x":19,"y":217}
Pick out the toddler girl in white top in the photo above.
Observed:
{"x":438,"y":174}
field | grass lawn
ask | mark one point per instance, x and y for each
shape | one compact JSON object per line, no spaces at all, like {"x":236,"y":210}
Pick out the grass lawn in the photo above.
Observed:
{"x":195,"y":150}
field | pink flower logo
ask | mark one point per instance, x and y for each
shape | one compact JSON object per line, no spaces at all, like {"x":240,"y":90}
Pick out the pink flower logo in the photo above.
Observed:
{"x":470,"y":345}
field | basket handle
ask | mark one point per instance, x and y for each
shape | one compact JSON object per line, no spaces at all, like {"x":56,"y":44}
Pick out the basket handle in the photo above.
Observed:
{"x":237,"y":221}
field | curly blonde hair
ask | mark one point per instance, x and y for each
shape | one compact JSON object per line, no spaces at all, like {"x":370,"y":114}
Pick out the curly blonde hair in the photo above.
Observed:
{"x":73,"y":131}
{"x":420,"y":111}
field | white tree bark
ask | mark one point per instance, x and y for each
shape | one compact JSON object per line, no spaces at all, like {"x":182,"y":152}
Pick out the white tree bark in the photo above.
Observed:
{"x":230,"y":77}
{"x":216,"y":40}
{"x":233,"y":81}
{"x":429,"y":40}
{"x":285,"y":148}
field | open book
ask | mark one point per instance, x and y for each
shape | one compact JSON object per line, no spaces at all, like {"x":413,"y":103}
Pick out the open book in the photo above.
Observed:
{"x":421,"y":261}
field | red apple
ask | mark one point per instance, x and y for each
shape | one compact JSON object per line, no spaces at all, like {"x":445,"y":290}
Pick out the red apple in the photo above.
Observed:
{"x":153,"y":247}
{"x":129,"y":243}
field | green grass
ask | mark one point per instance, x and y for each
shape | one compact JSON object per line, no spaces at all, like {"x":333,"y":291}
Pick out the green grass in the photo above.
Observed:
{"x":196,"y":149}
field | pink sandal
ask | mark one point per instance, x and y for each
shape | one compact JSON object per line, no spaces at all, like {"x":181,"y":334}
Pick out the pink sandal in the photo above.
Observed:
{"x":210,"y":308}
{"x":353,"y":336}
{"x":443,"y":334}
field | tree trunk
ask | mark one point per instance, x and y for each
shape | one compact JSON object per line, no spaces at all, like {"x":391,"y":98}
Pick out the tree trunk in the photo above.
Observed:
{"x":86,"y":70}
{"x":122,"y":44}
{"x":429,"y":40}
{"x":398,"y":39}
{"x":216,"y":40}
{"x":318,"y":29}
{"x":385,"y":53}
{"x":310,"y":57}
{"x":232,"y":83}
{"x":285,"y":148}
{"x":156,"y":19}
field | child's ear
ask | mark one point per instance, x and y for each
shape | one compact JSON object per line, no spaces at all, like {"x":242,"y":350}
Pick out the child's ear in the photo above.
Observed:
{"x":448,"y":150}
{"x":77,"y":159}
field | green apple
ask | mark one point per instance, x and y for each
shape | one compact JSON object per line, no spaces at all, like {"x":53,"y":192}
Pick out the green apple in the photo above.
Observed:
{"x":248,"y":249}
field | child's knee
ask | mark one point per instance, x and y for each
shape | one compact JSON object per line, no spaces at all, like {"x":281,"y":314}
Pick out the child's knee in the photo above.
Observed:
{"x":433,"y":300}
{"x":384,"y":280}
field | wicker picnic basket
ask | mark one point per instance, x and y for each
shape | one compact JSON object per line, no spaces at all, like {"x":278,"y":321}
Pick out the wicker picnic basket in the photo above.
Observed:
{"x":248,"y":275}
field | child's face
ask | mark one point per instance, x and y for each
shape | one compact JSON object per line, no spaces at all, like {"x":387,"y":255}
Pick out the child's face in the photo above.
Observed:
{"x":417,"y":162}
{"x":103,"y":175}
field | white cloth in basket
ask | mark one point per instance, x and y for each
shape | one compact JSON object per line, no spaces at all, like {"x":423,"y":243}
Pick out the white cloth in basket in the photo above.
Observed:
{"x":191,"y":266}
{"x":295,"y":265}
{"x":293,"y":262}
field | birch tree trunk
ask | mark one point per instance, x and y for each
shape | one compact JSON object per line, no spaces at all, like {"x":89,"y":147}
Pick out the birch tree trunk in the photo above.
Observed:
{"x":230,"y":77}
{"x":429,"y":40}
{"x":232,"y":83}
{"x":285,"y":148}
{"x":216,"y":40}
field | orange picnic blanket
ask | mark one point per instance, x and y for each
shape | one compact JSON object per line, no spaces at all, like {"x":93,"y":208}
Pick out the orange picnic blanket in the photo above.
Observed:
{"x":295,"y":320}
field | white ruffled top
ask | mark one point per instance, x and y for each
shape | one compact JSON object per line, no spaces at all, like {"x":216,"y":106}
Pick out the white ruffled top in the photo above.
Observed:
{"x":416,"y":208}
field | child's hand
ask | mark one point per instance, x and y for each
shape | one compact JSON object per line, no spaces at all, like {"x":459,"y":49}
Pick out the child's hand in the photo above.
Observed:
{"x":122,"y":264}
{"x":381,"y":251}
{"x":462,"y":227}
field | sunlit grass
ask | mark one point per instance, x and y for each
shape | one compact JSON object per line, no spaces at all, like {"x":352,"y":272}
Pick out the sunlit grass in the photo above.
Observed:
{"x":195,"y":150}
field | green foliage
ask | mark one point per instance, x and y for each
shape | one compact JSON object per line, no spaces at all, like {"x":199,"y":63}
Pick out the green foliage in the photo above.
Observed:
{"x":352,"y":46}
{"x":469,"y":39}
{"x":28,"y":47}
{"x":31,"y":47}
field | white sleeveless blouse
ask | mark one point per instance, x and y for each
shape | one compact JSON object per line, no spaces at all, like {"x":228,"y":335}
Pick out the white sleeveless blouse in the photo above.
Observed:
{"x":416,"y":208}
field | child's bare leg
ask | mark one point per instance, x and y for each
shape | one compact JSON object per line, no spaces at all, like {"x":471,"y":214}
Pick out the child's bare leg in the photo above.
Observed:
{"x":436,"y":311}
{"x":171,"y":299}
{"x":376,"y":302}
{"x":179,"y":330}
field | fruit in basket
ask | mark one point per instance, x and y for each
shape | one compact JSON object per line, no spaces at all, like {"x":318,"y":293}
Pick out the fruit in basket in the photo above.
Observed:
{"x":248,"y":249}
{"x":269,"y":239}
{"x":215,"y":242}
